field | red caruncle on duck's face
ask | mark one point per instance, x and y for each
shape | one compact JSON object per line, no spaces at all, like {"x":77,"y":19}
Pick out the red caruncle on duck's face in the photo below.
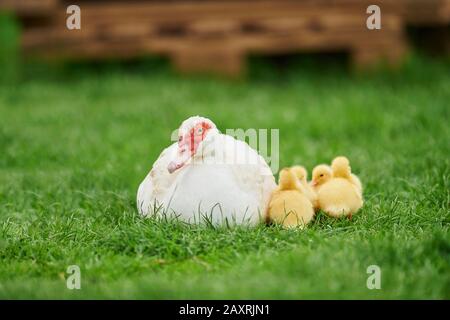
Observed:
{"x":188,"y":145}
{"x":191,"y":140}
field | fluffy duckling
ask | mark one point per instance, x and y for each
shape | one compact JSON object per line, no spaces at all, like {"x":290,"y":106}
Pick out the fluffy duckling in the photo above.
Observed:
{"x":341,"y":168}
{"x":337,"y":195}
{"x":321,"y":174}
{"x":289,"y":205}
{"x":302,"y":176}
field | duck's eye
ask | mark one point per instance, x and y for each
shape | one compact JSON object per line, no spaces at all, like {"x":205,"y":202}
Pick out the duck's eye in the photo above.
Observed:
{"x":180,"y":138}
{"x":200,"y":130}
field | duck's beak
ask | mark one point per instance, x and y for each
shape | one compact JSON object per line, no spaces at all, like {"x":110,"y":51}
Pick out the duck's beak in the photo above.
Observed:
{"x":180,"y":160}
{"x":186,"y":149}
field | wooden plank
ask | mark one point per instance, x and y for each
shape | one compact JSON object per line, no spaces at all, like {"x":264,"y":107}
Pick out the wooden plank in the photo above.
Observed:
{"x":186,"y":11}
{"x":429,"y":12}
{"x":227,"y":62}
{"x":30,"y":7}
{"x":344,"y":23}
{"x":263,"y":43}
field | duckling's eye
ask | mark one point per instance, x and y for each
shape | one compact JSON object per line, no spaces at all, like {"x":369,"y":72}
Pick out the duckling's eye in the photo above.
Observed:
{"x":321,"y":175}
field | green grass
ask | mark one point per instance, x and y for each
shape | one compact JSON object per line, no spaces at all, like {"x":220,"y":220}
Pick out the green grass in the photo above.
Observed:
{"x":74,"y":146}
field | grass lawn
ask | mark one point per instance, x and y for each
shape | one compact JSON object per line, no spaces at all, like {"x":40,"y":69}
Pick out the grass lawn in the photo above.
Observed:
{"x":74,"y":146}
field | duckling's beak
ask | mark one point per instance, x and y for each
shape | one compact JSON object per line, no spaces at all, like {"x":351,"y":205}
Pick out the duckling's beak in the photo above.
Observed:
{"x":314,"y":183}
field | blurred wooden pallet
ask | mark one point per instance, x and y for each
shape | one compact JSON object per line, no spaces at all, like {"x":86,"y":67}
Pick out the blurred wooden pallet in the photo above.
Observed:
{"x":426,"y":12}
{"x":30,"y":8}
{"x":215,"y":36}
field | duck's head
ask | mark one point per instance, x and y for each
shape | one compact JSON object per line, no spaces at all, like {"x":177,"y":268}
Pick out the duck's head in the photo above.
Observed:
{"x":340,"y":165}
{"x":300,"y":172}
{"x":321,"y":174}
{"x":191,"y":134}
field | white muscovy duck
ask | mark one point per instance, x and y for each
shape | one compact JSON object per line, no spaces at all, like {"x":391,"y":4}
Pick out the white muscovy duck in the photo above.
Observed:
{"x":207,"y":176}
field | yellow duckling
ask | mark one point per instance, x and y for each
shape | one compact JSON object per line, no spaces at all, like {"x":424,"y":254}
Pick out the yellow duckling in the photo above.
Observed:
{"x":337,"y":192}
{"x":289,"y":205}
{"x":302,"y":176}
{"x":341,"y":168}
